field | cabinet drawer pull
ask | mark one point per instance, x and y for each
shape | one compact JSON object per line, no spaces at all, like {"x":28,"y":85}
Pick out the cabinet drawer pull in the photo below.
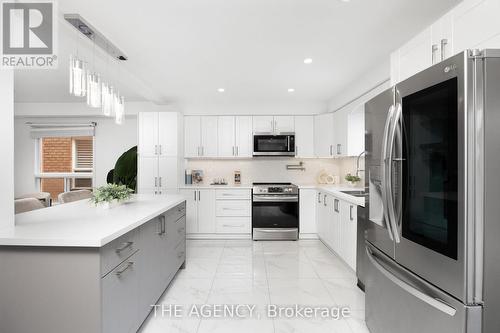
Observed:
{"x":124,"y":247}
{"x":225,"y":208}
{"x":180,"y":255}
{"x":350,"y":213}
{"x":121,"y":271}
{"x":160,"y":150}
{"x":233,"y":226}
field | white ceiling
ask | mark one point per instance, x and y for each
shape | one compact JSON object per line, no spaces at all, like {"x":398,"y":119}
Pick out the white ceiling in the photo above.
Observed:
{"x":182,"y":51}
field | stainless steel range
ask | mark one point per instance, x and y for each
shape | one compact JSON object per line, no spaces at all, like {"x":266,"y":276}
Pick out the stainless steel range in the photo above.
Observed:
{"x":275,"y":211}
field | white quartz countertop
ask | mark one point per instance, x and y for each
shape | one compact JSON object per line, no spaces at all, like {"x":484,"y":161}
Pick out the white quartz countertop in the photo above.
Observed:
{"x":208,"y":186}
{"x":335,"y":190}
{"x":81,"y":224}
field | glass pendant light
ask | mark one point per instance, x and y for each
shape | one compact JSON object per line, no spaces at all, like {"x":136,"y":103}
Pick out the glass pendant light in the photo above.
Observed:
{"x":107,"y":99}
{"x":119,"y":109}
{"x":77,"y":76}
{"x":94,"y":90}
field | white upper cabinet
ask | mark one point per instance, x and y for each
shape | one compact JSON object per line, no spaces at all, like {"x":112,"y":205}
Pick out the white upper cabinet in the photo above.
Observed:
{"x":192,"y":136}
{"x":340,"y":132}
{"x":209,"y":136}
{"x":356,"y":131}
{"x":243,"y":136}
{"x":148,"y":134}
{"x":235,"y":136}
{"x":442,"y":38}
{"x":200,"y":136}
{"x":273,"y":124}
{"x":472,"y":24}
{"x":416,"y":55}
{"x":475,"y":24}
{"x":304,"y":136}
{"x":167,"y":134}
{"x":323,"y":135}
{"x":284,"y":124}
{"x":263,"y":124}
{"x":226,"y":137}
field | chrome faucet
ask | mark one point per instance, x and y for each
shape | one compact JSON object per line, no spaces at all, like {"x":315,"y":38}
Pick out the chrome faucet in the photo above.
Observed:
{"x":357,"y":163}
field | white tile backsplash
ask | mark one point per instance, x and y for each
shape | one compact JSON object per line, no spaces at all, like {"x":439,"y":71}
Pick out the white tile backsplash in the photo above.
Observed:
{"x":272,"y":169}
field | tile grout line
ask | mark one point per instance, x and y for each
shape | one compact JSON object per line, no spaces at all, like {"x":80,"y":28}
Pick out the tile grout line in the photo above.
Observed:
{"x":213,"y":282}
{"x":327,"y":290}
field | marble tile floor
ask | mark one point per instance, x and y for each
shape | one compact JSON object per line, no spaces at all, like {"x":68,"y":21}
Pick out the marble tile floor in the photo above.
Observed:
{"x":260,"y":273}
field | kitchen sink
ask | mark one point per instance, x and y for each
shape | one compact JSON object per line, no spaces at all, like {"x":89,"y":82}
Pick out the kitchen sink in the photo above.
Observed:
{"x":356,"y":193}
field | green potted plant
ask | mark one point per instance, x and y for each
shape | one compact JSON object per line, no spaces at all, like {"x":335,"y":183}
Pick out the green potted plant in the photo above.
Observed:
{"x":110,"y":195}
{"x":352,"y":180}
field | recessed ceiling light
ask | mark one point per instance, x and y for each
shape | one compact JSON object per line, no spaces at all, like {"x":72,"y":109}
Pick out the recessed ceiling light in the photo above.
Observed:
{"x":221,"y":90}
{"x":308,"y":61}
{"x":290,"y":90}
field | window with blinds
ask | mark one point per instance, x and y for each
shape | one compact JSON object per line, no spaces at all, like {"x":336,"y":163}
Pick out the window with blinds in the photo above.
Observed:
{"x":83,"y":154}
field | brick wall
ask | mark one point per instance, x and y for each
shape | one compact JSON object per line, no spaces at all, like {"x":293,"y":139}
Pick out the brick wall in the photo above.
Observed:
{"x":56,"y":157}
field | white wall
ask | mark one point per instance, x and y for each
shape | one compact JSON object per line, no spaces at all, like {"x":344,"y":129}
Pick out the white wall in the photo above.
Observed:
{"x":364,"y":88}
{"x":254,"y":108}
{"x":7,"y":148}
{"x":111,"y":141}
{"x":80,"y":109}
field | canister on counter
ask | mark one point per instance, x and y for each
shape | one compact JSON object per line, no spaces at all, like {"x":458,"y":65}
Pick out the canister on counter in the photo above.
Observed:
{"x":237,"y":177}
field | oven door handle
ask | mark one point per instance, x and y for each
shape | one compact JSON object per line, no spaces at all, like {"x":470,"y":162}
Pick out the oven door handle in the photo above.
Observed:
{"x":280,"y":230}
{"x":265,"y":198}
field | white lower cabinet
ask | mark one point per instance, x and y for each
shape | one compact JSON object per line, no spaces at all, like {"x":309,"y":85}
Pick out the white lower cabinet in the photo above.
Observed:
{"x":200,"y":216}
{"x":348,"y":226}
{"x":307,"y":213}
{"x":233,"y":212}
{"x":336,"y":222}
{"x":218,"y":213}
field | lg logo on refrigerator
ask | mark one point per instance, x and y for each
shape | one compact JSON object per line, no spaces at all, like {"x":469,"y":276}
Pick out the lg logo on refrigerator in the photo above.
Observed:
{"x":28,"y":34}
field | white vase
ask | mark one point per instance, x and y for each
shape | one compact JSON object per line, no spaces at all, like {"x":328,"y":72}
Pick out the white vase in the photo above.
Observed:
{"x":110,"y":204}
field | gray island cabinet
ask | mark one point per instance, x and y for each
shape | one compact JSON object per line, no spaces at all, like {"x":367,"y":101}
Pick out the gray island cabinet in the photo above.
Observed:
{"x":105,"y":283}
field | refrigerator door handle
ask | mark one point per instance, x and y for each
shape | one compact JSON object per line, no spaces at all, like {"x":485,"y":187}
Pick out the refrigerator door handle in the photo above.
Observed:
{"x":393,"y":217}
{"x":432,"y":301}
{"x":383,"y":158}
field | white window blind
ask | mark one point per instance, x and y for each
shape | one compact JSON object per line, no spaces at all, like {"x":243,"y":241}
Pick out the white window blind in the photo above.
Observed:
{"x":84,"y":154}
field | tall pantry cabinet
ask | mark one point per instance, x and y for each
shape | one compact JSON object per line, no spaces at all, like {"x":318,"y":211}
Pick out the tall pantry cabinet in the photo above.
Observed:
{"x":159,"y":152}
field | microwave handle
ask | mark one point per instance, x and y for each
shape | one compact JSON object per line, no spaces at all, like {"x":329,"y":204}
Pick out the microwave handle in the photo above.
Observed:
{"x":288,"y":142}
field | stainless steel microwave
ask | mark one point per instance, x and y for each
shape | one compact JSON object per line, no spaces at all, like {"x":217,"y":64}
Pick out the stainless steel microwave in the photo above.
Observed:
{"x":282,"y":144}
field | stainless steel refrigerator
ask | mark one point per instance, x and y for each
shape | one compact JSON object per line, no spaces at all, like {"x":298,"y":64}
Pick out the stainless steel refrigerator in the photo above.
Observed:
{"x":433,"y":213}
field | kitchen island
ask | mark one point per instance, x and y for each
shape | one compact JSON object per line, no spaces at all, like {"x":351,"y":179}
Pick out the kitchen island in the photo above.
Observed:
{"x":80,"y":268}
